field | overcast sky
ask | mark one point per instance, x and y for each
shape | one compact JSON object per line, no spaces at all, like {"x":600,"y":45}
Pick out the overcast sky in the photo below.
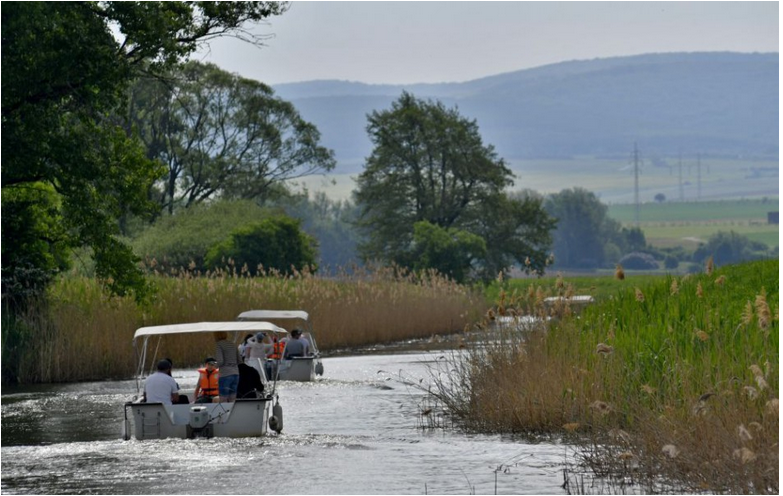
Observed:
{"x":428,"y":42}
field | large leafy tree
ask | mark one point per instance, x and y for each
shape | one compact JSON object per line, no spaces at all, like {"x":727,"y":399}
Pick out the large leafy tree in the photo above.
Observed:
{"x":583,"y":228}
{"x":429,"y":164}
{"x":221,"y":135}
{"x":65,"y":69}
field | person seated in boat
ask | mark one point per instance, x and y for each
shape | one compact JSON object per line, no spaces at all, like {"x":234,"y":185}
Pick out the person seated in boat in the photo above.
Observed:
{"x":296,"y":346}
{"x":278,"y":346}
{"x":207,"y":386}
{"x":160,"y":387}
{"x":182,"y":399}
{"x":250,"y":385}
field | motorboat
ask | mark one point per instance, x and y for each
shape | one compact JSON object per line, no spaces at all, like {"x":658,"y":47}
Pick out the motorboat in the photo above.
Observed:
{"x":250,"y":416}
{"x":292,"y":368}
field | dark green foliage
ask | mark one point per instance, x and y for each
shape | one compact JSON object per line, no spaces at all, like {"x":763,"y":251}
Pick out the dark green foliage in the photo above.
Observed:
{"x":182,"y":240}
{"x":35,"y":246}
{"x":429,"y":164}
{"x":221,"y":135}
{"x":582,"y":226}
{"x":671,"y":262}
{"x":276,"y":243}
{"x":729,"y":248}
{"x":64,"y":77}
{"x":450,"y":251}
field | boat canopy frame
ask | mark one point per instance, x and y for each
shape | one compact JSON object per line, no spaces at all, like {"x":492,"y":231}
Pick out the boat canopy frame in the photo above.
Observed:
{"x":145,"y":333}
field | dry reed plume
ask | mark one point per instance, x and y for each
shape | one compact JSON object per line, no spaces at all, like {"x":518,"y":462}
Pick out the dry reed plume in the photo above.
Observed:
{"x":677,"y":367}
{"x":364,"y":308}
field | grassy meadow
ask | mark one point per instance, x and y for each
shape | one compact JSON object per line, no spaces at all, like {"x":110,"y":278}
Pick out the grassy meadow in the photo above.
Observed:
{"x":85,"y":335}
{"x":675,"y":379}
{"x":687,"y":224}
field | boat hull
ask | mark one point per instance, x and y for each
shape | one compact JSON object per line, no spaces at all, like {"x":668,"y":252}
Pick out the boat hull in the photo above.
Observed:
{"x":300,"y":369}
{"x":242,"y":418}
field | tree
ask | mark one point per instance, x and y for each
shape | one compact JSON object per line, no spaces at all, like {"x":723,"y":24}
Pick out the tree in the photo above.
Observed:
{"x":274,"y":243}
{"x":429,"y":164}
{"x":64,"y":76}
{"x":730,"y":247}
{"x":660,"y":197}
{"x":450,"y":251}
{"x":221,"y":135}
{"x":582,"y":228}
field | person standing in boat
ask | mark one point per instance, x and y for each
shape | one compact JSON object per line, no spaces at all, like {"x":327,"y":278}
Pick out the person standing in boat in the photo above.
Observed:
{"x":207,"y":386}
{"x":160,"y":387}
{"x":243,"y":348}
{"x":228,"y":361}
{"x":258,"y":347}
{"x":296,"y":346}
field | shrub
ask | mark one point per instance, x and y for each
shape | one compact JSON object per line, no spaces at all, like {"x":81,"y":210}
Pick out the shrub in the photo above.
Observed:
{"x":671,"y":262}
{"x":276,"y":243}
{"x":639,"y":261}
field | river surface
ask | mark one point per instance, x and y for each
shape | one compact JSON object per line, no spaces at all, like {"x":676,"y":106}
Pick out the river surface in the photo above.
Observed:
{"x":358,"y":429}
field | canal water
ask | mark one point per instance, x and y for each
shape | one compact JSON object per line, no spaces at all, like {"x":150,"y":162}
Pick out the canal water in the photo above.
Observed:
{"x":359,"y":429}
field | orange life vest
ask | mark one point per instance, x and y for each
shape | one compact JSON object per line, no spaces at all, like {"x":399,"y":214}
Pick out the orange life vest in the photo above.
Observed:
{"x":208,"y":382}
{"x":277,"y":350}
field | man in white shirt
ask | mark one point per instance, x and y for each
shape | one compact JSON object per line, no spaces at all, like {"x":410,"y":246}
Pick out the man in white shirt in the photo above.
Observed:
{"x":160,"y":387}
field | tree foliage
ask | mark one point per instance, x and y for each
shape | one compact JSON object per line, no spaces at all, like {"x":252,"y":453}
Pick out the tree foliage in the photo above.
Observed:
{"x":221,"y":135}
{"x":64,"y":76}
{"x":729,"y":248}
{"x":429,"y":164}
{"x":275,"y":243}
{"x":586,"y":237}
{"x":450,"y":251}
{"x":182,"y":240}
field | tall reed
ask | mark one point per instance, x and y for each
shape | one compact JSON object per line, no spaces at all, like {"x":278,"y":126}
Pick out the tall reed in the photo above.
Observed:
{"x":82,"y":334}
{"x":680,"y":375}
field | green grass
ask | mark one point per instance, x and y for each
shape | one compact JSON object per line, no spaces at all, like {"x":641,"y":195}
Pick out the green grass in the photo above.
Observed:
{"x":708,"y":211}
{"x":688,"y":224}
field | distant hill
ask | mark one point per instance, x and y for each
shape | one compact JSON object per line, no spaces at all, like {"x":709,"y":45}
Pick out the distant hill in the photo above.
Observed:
{"x":719,"y":104}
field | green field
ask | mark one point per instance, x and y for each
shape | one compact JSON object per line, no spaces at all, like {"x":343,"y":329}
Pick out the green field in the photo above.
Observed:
{"x":689,"y":223}
{"x":612,"y":179}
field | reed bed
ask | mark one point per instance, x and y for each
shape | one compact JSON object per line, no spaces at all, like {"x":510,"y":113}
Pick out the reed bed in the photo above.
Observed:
{"x":676,"y":380}
{"x":82,"y":334}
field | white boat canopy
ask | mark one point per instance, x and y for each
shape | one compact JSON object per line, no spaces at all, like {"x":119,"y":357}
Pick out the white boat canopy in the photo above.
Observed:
{"x":208,"y":327}
{"x":252,"y":315}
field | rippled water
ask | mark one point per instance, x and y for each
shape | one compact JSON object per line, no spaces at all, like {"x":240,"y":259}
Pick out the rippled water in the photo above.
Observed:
{"x":357,"y":430}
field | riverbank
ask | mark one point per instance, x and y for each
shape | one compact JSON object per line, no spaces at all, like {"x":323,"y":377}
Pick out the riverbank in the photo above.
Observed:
{"x":675,"y":380}
{"x":81,"y":334}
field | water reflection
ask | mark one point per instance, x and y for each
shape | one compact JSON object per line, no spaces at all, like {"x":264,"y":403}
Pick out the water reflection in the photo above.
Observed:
{"x":352,"y":432}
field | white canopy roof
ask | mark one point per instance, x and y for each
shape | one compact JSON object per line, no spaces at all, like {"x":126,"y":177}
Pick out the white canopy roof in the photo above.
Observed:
{"x":273,"y":314}
{"x":208,"y":327}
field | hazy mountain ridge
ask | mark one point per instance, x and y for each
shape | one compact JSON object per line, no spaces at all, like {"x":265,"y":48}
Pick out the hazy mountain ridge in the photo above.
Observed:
{"x":719,"y":104}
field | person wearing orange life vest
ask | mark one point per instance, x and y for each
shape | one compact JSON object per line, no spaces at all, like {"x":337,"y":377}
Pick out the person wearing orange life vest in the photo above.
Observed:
{"x":207,"y":386}
{"x":278,"y":346}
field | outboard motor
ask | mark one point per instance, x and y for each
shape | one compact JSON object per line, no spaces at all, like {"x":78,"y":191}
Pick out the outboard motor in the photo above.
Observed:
{"x":198,"y":423}
{"x":276,"y":420}
{"x":319,"y":368}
